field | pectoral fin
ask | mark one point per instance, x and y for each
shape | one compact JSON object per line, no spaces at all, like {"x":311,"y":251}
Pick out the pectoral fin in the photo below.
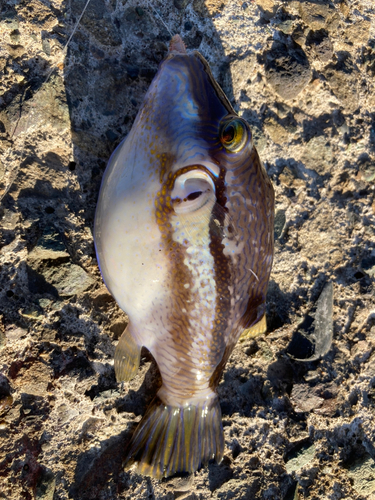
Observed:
{"x":127,"y":357}
{"x":254,"y":331}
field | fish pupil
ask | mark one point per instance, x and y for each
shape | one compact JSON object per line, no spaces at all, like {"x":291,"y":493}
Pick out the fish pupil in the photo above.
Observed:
{"x":194,"y":196}
{"x":228,"y":134}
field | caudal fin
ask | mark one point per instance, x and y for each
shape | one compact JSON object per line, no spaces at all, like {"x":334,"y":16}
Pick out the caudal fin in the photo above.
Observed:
{"x":171,"y":439}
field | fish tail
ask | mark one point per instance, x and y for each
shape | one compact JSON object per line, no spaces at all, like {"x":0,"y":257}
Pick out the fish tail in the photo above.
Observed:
{"x":173,"y":439}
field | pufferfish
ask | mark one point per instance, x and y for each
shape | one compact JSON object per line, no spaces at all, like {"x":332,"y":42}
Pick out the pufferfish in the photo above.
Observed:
{"x":184,"y":241}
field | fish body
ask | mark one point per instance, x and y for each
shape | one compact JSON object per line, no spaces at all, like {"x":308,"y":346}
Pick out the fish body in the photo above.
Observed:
{"x":184,"y":240}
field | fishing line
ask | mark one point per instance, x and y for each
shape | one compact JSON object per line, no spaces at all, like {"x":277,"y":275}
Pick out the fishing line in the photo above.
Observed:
{"x":14,"y":173}
{"x":160,"y":18}
{"x":65,"y":48}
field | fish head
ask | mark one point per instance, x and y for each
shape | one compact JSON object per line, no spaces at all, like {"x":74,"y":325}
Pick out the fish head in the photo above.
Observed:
{"x":185,"y":185}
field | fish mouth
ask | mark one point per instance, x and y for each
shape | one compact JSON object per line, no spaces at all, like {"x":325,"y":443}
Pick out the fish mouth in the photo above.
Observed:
{"x":193,"y":187}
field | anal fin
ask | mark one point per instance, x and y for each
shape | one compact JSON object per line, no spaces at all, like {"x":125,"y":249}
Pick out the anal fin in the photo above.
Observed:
{"x":127,"y":357}
{"x":254,"y":331}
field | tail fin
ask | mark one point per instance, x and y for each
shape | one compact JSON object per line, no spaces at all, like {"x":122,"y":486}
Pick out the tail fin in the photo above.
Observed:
{"x":171,"y":439}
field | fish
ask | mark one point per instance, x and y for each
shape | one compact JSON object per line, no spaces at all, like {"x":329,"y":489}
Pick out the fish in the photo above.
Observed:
{"x":184,"y":240}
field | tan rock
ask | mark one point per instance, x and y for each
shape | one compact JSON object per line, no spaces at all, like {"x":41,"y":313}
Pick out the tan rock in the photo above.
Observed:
{"x":34,"y":380}
{"x":266,"y":4}
{"x":358,"y":33}
{"x":277,"y":132}
{"x":316,"y":15}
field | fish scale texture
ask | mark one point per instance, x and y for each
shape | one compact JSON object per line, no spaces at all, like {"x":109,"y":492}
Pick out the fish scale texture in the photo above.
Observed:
{"x":302,"y":74}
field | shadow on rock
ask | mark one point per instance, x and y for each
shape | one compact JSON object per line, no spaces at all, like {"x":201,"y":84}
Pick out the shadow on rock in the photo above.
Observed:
{"x":137,"y":401}
{"x":101,"y":468}
{"x":110,"y":64}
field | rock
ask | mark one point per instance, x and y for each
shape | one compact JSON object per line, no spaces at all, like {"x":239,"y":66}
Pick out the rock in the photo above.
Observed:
{"x":368,"y":264}
{"x":317,"y":155}
{"x":49,"y":246}
{"x":8,"y":18}
{"x":51,"y":269}
{"x":6,"y":402}
{"x":368,"y":58}
{"x":48,"y":107}
{"x":68,"y":279}
{"x":287,"y":69}
{"x":317,"y":15}
{"x":34,"y":380}
{"x":361,"y":351}
{"x":286,"y":26}
{"x":300,"y":457}
{"x":118,"y":328}
{"x":289,"y":178}
{"x":268,"y":7}
{"x":358,"y":33}
{"x":45,"y":487}
{"x":9,"y":219}
{"x":303,"y":400}
{"x":276,"y":131}
{"x":321,"y":45}
{"x":315,"y":335}
{"x":280,"y":221}
{"x":343,"y":78}
{"x":15,"y":334}
{"x":181,"y":484}
{"x":101,"y":297}
{"x":241,"y":71}
{"x":323,"y":324}
{"x":16,"y":51}
{"x":362,"y":473}
{"x":366,"y":170}
{"x":46,"y":47}
{"x":98,"y":22}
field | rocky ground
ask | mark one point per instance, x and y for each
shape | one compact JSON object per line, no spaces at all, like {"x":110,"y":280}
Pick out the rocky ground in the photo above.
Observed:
{"x":302,"y":73}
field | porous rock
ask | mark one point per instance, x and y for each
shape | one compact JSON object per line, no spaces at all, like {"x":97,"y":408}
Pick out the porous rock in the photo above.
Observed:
{"x":301,"y":73}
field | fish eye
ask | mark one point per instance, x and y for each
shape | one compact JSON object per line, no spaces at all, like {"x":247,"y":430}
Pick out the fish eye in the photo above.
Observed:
{"x":234,"y":134}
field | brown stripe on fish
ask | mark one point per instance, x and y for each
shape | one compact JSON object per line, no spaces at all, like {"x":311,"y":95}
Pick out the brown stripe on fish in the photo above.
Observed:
{"x":182,"y":298}
{"x":188,"y":307}
{"x":222,"y":268}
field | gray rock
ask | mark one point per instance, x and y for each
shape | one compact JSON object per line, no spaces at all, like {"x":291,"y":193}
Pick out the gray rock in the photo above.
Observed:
{"x":50,"y":263}
{"x":97,"y":21}
{"x":318,"y":335}
{"x":304,"y":400}
{"x":362,"y":473}
{"x":64,"y":421}
{"x":45,"y":487}
{"x":287,"y":69}
{"x":47,"y":107}
{"x":280,"y":221}
{"x":68,"y":279}
{"x":300,"y":458}
{"x":49,"y":246}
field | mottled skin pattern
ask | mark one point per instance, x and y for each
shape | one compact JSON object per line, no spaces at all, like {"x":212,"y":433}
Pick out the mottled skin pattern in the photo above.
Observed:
{"x":191,"y":274}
